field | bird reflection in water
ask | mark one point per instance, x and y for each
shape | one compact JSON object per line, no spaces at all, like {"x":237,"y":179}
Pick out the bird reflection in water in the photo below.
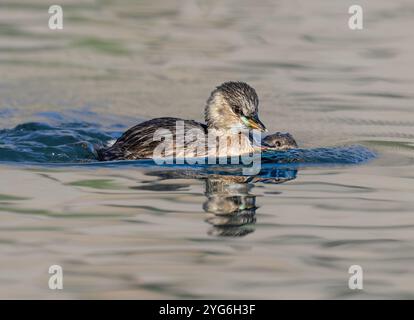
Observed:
{"x":230,"y":205}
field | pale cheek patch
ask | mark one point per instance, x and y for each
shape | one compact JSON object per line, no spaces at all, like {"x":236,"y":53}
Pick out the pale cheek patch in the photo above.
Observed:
{"x":223,"y":116}
{"x":237,"y":128}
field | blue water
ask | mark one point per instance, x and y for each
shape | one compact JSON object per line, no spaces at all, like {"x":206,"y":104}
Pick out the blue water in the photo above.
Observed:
{"x":74,"y":143}
{"x":132,"y":230}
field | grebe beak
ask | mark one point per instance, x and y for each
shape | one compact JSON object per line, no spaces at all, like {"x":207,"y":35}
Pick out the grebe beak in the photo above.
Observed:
{"x":255,"y":123}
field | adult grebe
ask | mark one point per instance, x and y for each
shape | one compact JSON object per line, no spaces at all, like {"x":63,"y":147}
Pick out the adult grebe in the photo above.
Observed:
{"x":231,"y":110}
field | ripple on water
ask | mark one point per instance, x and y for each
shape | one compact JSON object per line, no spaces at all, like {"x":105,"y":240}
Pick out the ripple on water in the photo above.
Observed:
{"x":74,"y":142}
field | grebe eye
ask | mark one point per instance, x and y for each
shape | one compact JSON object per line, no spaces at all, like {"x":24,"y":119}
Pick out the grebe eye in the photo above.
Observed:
{"x":237,"y":110}
{"x":278,"y":144}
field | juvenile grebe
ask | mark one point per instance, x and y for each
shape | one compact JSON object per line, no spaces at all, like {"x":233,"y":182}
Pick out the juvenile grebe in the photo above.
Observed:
{"x":279,"y":141}
{"x":231,"y":110}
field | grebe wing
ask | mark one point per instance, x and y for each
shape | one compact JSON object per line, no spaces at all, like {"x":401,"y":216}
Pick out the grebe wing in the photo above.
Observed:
{"x":137,"y":142}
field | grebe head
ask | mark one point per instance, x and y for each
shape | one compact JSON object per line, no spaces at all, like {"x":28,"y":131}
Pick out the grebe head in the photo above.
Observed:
{"x":279,"y":141}
{"x":233,"y":105}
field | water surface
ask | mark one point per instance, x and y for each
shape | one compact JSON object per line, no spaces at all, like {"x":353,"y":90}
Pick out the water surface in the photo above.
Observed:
{"x":135,"y":230}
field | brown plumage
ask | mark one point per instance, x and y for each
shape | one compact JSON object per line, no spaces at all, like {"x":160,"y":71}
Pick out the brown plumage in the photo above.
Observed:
{"x":231,"y":110}
{"x":138,"y":143}
{"x":279,"y":141}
